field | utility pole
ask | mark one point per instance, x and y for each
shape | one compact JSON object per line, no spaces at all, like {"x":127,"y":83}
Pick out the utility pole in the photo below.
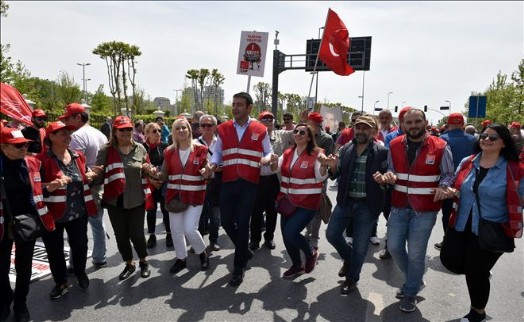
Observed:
{"x":84,"y":80}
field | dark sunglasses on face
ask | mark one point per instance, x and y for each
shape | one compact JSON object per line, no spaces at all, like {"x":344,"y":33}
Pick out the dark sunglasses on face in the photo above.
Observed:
{"x":491,"y":137}
{"x":300,"y":132}
{"x":267,"y":119}
{"x":156,"y":131}
{"x":127,"y":129}
{"x":21,"y":145}
{"x":206,"y":125}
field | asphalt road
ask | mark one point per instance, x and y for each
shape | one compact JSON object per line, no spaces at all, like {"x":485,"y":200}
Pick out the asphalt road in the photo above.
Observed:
{"x":265,"y":296}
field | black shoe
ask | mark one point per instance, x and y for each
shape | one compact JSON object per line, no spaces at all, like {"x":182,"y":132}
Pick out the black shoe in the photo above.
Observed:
{"x":21,"y":313}
{"x":151,"y":242}
{"x":237,"y":278}
{"x":270,"y":244}
{"x":5,"y":310}
{"x":178,"y":266}
{"x":384,"y":254}
{"x":128,"y":270}
{"x":70,"y":269}
{"x":145,"y":272}
{"x":83,"y":281}
{"x":474,"y":316}
{"x":348,"y":286}
{"x":169,"y":241}
{"x":58,"y":291}
{"x":343,"y":270}
{"x":215,"y":247}
{"x":254,"y":246}
{"x":99,"y":265}
{"x":204,"y":261}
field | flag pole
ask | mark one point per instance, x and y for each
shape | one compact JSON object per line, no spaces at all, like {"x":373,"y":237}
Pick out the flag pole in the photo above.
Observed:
{"x":316,"y":61}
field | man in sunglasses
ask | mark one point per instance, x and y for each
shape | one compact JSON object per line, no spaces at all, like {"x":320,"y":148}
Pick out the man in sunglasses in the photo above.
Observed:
{"x":89,"y":140}
{"x":36,"y":132}
{"x":461,"y":145}
{"x":288,"y":122}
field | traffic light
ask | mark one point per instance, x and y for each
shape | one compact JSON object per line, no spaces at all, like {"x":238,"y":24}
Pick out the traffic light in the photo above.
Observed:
{"x":425,"y":108}
{"x":396,"y":108}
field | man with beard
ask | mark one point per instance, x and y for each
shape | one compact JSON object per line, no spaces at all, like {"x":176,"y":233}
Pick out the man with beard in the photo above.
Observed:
{"x":36,"y":132}
{"x":360,"y":199}
{"x":421,"y":170}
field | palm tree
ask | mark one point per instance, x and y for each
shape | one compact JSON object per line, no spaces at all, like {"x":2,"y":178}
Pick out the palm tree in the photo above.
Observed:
{"x":217,"y":79}
{"x":193,"y":75}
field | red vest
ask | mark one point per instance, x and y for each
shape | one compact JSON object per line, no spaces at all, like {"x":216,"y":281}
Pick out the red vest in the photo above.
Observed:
{"x":186,"y":180}
{"x":514,"y":173}
{"x":115,"y":178}
{"x":382,"y":138}
{"x":56,"y":202}
{"x":241,"y":160}
{"x":298,"y":182}
{"x":33,"y":166}
{"x":416,"y":183}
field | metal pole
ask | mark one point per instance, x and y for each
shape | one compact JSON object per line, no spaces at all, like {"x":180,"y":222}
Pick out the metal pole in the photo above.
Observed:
{"x":363,"y":79}
{"x":248,"y":83}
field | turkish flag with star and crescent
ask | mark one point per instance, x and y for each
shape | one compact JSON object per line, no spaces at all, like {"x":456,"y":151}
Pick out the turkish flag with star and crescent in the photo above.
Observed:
{"x":13,"y":104}
{"x":335,"y":45}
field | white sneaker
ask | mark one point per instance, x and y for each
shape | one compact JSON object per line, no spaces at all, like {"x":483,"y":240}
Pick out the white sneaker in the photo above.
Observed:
{"x":349,"y":240}
{"x":374,"y":240}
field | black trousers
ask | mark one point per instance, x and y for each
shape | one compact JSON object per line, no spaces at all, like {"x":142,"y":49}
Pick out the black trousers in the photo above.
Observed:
{"x":54,"y":246}
{"x":447,"y":206}
{"x":461,"y":254}
{"x":158,"y":198}
{"x":23,"y":265}
{"x":128,"y":225}
{"x":267,"y":192}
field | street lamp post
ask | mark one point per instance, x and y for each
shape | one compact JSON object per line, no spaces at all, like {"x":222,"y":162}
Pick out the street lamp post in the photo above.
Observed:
{"x":84,"y":81}
{"x":375,"y":107}
{"x":176,"y":100}
{"x":388,"y":98}
{"x":362,"y":98}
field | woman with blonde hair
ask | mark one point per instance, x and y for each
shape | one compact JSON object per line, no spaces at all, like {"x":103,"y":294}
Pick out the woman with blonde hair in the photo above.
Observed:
{"x":184,"y":163}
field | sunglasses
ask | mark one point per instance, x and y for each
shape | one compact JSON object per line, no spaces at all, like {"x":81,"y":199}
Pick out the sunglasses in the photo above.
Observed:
{"x":300,"y":132}
{"x":127,"y":129}
{"x":206,"y":125}
{"x":491,"y":137}
{"x":21,"y":145}
{"x":183,"y":127}
{"x":156,"y":131}
{"x":267,"y":120}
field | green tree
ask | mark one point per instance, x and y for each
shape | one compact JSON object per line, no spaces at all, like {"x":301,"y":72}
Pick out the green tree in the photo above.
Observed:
{"x":3,"y":8}
{"x":6,"y":66}
{"x":192,"y":75}
{"x":203,"y":76}
{"x":262,"y":95}
{"x":100,"y":102}
{"x":217,"y":79}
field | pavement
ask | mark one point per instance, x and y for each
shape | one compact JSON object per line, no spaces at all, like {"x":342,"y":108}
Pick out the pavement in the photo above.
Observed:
{"x":193,"y":295}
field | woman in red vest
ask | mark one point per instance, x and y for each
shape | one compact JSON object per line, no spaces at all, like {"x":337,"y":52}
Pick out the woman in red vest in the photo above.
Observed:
{"x":184,"y":163}
{"x":69,"y":201}
{"x":20,"y":193}
{"x":126,"y":193}
{"x":301,"y":184}
{"x":489,"y":186}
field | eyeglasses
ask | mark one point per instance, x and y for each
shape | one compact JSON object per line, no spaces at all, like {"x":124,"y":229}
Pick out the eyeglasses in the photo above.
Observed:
{"x":300,"y":132}
{"x":267,"y":120}
{"x":127,"y":129}
{"x":206,"y":125}
{"x":21,"y":145}
{"x":156,"y":131}
{"x":182,"y":127}
{"x":491,"y":137}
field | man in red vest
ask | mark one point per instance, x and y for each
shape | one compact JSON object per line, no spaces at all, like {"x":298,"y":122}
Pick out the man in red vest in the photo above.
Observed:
{"x":242,"y":146}
{"x":421,"y":170}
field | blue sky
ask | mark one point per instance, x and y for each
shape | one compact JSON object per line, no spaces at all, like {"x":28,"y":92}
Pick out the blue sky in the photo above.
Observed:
{"x":426,"y":53}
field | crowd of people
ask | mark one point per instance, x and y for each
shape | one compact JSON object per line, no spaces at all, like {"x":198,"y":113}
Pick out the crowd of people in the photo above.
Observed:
{"x":241,"y":174}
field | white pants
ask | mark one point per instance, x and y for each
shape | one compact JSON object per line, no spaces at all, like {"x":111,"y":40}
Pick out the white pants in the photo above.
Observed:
{"x":185,"y":225}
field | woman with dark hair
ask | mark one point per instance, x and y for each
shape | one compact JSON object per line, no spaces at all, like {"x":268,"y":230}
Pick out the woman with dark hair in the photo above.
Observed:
{"x":489,"y":186}
{"x":126,"y":193}
{"x":70,"y":202}
{"x":301,"y":187}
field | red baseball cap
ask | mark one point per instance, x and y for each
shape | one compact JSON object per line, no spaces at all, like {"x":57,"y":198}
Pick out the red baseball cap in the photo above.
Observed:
{"x":122,"y":122}
{"x":515,"y":125}
{"x":38,"y":113}
{"x":265,"y":114}
{"x":72,"y":109}
{"x":56,"y":126}
{"x":456,"y":118}
{"x":486,"y":123}
{"x":315,"y":117}
{"x":402,"y":112}
{"x":12,"y":136}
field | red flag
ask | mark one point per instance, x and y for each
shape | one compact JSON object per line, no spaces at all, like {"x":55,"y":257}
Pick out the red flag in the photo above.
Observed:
{"x":13,"y":104}
{"x":335,"y":45}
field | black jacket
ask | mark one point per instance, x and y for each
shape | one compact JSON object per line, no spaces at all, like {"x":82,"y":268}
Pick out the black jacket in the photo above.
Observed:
{"x":377,"y":160}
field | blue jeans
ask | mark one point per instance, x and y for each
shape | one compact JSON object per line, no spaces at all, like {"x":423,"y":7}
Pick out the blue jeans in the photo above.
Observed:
{"x":414,"y":228}
{"x":363,"y":221}
{"x":98,"y":227}
{"x":294,"y":241}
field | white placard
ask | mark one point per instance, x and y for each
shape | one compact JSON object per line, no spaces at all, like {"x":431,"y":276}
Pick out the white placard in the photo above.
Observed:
{"x":252,"y":53}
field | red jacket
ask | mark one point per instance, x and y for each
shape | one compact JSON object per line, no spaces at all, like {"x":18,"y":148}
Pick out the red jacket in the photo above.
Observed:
{"x":186,"y":180}
{"x":241,"y":160}
{"x":514,"y":173}
{"x":298,"y":182}
{"x":56,"y":201}
{"x":416,"y":183}
{"x":379,"y":135}
{"x":115,"y":178}
{"x":33,"y":166}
